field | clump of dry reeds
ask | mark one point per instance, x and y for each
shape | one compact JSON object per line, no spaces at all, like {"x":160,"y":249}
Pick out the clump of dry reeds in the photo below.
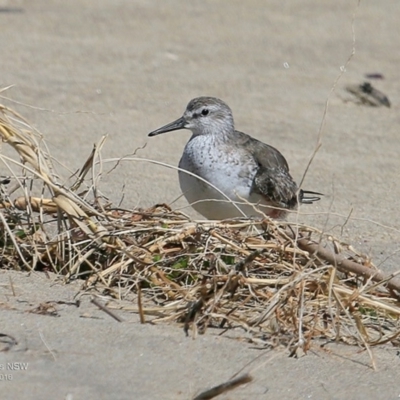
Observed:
{"x":280,"y":283}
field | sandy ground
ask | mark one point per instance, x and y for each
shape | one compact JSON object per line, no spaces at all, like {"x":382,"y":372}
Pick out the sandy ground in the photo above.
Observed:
{"x":125,"y":67}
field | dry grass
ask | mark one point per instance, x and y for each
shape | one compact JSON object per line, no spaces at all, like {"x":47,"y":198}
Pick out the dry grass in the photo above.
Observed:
{"x":279,"y":283}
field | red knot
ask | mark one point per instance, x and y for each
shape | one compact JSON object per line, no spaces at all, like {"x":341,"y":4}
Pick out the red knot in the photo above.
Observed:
{"x":241,"y":176}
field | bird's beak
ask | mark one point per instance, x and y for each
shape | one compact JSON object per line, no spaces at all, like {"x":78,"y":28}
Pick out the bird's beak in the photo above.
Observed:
{"x":173,"y":126}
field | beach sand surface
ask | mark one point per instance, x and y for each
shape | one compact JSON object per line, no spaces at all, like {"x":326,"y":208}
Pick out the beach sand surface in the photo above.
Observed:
{"x":121,"y":68}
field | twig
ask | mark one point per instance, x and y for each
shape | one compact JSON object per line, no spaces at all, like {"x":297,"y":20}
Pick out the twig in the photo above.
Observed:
{"x":106,"y":310}
{"x":140,"y":306}
{"x":345,"y":265}
{"x":224,"y":387}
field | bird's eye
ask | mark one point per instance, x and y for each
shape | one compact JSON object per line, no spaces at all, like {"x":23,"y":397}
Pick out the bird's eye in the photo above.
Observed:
{"x":204,"y":112}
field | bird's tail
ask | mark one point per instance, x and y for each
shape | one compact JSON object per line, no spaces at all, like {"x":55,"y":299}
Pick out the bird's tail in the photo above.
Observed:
{"x":308,"y":197}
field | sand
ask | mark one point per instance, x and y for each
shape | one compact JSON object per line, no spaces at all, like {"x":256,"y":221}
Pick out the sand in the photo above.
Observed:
{"x":123,"y":68}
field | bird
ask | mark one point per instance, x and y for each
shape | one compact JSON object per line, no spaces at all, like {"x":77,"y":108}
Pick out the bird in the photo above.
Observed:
{"x":225,"y":173}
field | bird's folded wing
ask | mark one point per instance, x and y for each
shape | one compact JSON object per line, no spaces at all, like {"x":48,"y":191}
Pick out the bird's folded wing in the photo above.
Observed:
{"x":277,"y":186}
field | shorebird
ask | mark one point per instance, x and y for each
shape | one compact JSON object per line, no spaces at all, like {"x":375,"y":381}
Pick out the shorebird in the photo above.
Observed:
{"x":239,"y":175}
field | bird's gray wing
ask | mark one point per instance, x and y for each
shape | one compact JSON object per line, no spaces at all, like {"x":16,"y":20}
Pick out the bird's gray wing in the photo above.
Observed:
{"x":272,"y":178}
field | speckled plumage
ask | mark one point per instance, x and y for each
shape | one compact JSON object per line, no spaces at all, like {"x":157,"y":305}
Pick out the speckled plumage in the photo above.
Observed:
{"x":243,"y":168}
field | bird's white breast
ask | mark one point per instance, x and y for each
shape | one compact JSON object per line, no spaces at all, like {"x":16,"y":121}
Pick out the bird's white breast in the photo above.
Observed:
{"x":230,"y":171}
